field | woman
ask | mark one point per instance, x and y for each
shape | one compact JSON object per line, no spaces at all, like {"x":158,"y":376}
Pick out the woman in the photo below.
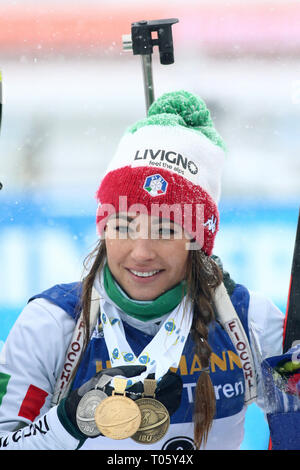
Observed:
{"x":152,"y":320}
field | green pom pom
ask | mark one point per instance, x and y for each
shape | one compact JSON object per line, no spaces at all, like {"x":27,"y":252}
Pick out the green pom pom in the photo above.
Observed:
{"x":184,"y":109}
{"x":163,"y":119}
{"x":190,"y":107}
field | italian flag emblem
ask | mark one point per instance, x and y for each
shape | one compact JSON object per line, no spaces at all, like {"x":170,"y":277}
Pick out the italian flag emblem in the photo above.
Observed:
{"x":33,"y":401}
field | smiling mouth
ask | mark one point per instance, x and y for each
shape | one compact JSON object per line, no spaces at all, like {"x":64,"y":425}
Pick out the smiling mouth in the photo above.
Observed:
{"x":145,"y":274}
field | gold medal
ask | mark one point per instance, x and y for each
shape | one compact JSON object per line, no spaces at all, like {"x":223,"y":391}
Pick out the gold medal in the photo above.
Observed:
{"x":155,"y":416}
{"x":118,"y":417}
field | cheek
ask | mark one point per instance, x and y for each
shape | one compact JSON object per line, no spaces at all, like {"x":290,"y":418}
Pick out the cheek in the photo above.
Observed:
{"x":113,"y":251}
{"x":182,"y":267}
{"x":179,"y":257}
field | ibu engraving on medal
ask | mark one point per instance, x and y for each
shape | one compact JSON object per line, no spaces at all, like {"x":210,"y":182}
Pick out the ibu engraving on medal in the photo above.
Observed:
{"x":155,"y":420}
{"x":118,"y":417}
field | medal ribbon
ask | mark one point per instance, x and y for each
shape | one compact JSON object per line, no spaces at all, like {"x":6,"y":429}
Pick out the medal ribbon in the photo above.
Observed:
{"x":163,"y":351}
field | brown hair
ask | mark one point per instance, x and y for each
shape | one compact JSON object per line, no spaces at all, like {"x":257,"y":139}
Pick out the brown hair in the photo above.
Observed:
{"x":203,"y":276}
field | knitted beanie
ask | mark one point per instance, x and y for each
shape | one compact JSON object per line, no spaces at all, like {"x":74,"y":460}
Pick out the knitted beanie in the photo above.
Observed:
{"x":170,"y":165}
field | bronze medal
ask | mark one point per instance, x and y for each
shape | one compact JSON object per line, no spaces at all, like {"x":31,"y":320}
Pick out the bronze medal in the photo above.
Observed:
{"x":118,"y":417}
{"x":155,"y":421}
{"x":155,"y":417}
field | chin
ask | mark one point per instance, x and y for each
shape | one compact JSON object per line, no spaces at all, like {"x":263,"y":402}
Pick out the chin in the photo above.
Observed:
{"x":147,"y":296}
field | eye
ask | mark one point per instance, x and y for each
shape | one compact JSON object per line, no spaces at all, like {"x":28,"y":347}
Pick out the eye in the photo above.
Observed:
{"x":166,"y":232}
{"x":122,"y":228}
{"x":118,"y":229}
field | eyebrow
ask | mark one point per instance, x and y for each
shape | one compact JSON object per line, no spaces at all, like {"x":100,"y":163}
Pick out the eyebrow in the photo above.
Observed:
{"x":128,"y":218}
{"x":162,"y":220}
{"x":124,"y":217}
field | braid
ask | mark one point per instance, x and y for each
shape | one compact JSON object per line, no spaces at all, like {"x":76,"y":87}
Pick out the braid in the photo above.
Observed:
{"x":96,"y":257}
{"x":203,"y":276}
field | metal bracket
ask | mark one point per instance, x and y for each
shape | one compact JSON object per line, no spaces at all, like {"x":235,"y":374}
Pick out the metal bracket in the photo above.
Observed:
{"x":144,"y":35}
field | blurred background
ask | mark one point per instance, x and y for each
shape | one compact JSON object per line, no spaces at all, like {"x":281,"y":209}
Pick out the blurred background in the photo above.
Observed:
{"x":70,"y":91}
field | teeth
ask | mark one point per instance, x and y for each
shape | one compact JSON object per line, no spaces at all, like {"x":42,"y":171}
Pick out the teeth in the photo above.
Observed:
{"x":148,"y":274}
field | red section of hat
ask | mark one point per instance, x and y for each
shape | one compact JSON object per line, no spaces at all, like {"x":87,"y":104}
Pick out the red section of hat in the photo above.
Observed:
{"x":185,"y":203}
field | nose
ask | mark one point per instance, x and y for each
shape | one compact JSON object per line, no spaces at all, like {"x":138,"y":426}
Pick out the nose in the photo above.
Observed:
{"x":142,"y":250}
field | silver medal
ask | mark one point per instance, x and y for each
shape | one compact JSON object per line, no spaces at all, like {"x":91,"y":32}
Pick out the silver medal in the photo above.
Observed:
{"x":85,"y":413}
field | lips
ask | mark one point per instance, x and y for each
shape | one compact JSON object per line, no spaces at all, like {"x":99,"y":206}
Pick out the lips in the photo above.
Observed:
{"x":144,"y":274}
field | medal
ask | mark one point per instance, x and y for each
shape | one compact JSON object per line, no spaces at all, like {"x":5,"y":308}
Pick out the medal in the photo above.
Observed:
{"x":118,"y":417}
{"x":155,"y":416}
{"x":85,"y":413}
{"x":86,"y":410}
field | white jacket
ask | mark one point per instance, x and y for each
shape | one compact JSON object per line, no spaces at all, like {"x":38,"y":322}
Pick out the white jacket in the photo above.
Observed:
{"x":34,"y":353}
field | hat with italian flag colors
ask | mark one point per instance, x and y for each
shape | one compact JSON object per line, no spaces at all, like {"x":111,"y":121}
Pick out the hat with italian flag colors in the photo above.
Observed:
{"x":170,"y":165}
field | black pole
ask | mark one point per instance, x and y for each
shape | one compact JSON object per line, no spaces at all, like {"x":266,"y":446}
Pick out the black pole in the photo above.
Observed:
{"x":292,"y":318}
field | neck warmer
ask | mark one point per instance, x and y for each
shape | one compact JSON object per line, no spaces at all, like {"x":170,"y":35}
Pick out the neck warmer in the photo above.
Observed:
{"x":141,"y":310}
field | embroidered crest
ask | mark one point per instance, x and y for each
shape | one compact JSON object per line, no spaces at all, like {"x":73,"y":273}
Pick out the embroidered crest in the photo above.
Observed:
{"x":155,"y":185}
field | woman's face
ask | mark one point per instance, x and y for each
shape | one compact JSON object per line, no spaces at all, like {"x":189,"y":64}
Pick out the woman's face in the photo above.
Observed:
{"x":146,"y":255}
